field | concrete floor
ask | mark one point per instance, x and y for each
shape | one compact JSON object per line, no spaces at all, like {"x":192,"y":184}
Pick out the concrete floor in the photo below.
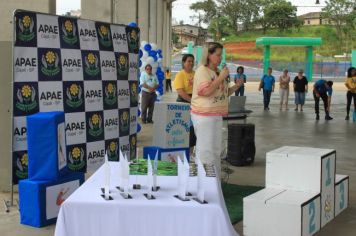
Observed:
{"x":273,"y":129}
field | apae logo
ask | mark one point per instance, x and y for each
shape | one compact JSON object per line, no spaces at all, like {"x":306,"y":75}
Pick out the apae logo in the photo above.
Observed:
{"x":95,"y":125}
{"x":75,"y":128}
{"x":50,"y":61}
{"x":25,"y":26}
{"x":91,"y":64}
{"x":110,"y":94}
{"x":20,"y":134}
{"x":133,"y":94}
{"x":25,"y":64}
{"x":122,"y":65}
{"x":51,"y":97}
{"x":76,"y":160}
{"x":26,"y":98}
{"x":69,"y":32}
{"x":124,"y":122}
{"x":133,"y":40}
{"x":112,"y":151}
{"x":118,"y":36}
{"x":104,"y":36}
{"x":74,"y":96}
{"x":133,"y":147}
{"x":22,"y":166}
{"x":95,"y":154}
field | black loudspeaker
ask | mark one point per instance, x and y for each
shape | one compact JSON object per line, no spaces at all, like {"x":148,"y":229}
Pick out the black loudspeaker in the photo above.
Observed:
{"x":241,"y":147}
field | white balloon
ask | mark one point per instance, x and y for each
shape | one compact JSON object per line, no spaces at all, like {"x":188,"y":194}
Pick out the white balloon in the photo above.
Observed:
{"x":154,"y":65}
{"x":154,"y":46}
{"x":144,"y":54}
{"x":150,"y":60}
{"x":159,"y":60}
{"x":143,"y":43}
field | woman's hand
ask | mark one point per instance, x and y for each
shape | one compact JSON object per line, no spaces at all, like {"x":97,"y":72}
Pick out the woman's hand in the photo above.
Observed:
{"x":224,"y":73}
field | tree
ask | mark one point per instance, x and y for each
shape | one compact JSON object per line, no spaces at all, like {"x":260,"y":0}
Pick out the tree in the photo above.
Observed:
{"x":282,"y":15}
{"x":340,"y":13}
{"x":209,"y":9}
{"x":220,"y":26}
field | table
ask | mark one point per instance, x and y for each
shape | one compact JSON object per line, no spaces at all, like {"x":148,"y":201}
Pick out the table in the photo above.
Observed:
{"x":85,"y":212}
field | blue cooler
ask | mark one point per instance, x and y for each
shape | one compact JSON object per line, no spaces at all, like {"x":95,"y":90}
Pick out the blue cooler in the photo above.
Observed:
{"x":40,"y":200}
{"x":46,"y":146}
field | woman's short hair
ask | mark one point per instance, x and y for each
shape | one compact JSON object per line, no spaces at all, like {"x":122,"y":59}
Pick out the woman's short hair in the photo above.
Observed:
{"x":208,"y":50}
{"x":185,"y":58}
{"x":349,"y":72}
{"x":148,"y":65}
{"x":242,"y":69}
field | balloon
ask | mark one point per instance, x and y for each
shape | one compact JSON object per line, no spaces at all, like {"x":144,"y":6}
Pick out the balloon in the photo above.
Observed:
{"x":139,"y":63}
{"x":150,"y":60}
{"x":138,"y":112}
{"x":140,"y":53}
{"x":138,"y":128}
{"x":159,"y":51}
{"x":144,"y":54}
{"x":155,"y":58}
{"x":154,"y":46}
{"x":159,"y":60}
{"x":152,"y":53}
{"x":133,"y":24}
{"x":143,"y":43}
{"x":147,"y":47}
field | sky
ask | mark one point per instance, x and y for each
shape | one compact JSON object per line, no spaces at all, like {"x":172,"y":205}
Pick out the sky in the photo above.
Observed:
{"x":181,"y":9}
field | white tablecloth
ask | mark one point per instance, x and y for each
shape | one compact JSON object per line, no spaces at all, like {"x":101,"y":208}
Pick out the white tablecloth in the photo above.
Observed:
{"x":86,"y":213}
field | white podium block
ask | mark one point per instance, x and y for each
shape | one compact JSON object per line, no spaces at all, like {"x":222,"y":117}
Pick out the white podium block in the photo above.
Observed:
{"x":171,"y":125}
{"x":282,"y":212}
{"x":341,"y":193}
{"x":304,"y":169}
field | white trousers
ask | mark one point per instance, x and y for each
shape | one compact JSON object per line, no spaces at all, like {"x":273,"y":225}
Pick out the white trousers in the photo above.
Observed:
{"x":208,"y":130}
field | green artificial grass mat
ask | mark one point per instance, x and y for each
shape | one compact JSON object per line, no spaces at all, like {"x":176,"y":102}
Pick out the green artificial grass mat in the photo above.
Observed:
{"x":233,"y":195}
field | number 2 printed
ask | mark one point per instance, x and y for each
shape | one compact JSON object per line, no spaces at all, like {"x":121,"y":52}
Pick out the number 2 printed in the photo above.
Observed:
{"x":311,"y":217}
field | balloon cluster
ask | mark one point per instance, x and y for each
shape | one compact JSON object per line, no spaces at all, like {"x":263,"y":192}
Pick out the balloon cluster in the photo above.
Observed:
{"x":150,"y":54}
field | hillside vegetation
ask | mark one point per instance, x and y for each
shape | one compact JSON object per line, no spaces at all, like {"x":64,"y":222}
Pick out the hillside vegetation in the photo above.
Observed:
{"x":242,"y":47}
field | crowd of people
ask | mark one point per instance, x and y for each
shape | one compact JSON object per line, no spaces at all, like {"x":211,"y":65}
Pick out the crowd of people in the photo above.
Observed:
{"x":207,"y":90}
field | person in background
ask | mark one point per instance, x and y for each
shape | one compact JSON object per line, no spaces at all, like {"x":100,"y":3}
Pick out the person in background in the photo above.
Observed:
{"x":300,"y":84}
{"x":323,"y":89}
{"x":267,"y":84}
{"x":183,"y":81}
{"x":211,"y":89}
{"x":183,"y":84}
{"x":240,"y":76}
{"x":167,"y":76}
{"x":350,"y":84}
{"x":284,"y":80}
{"x":149,"y":84}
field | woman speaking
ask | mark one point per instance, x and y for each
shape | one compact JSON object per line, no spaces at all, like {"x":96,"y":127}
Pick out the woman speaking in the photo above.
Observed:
{"x":209,"y":104}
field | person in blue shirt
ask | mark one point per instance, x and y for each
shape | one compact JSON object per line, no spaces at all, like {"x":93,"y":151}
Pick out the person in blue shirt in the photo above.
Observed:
{"x":267,"y":84}
{"x":149,"y":84}
{"x":323,"y":89}
{"x":240,"y":76}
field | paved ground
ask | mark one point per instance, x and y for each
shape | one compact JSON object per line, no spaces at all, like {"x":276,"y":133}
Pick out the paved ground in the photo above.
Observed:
{"x":273,"y":129}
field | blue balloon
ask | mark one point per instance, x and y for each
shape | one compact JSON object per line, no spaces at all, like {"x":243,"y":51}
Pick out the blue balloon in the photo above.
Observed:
{"x":152,"y":53}
{"x":138,"y":128}
{"x":139,"y":63}
{"x":159,"y":69}
{"x":155,"y":58}
{"x":133,"y":24}
{"x":159,"y":51}
{"x":140,"y":53}
{"x":138,"y":112}
{"x":147,"y":47}
{"x":139,"y":89}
